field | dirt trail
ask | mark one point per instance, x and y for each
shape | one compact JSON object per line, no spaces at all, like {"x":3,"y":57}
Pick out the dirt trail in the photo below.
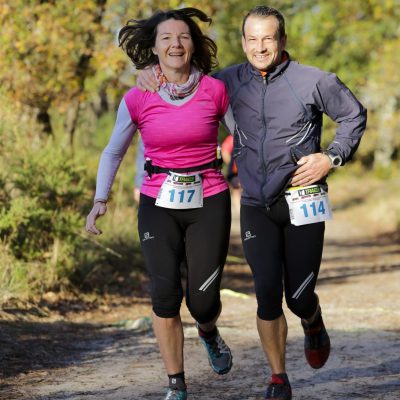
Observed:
{"x":86,"y":356}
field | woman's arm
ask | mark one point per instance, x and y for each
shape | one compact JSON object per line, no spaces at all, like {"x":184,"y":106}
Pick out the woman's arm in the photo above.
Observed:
{"x":110,"y":161}
{"x":229,"y":121}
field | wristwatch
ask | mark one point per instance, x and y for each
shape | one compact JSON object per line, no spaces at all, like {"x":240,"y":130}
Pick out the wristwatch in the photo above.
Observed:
{"x":336,"y":160}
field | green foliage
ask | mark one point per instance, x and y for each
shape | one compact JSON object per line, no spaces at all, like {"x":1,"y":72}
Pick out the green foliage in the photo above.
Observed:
{"x":62,"y":58}
{"x":41,"y":46}
{"x":42,"y":193}
{"x":41,"y":217}
{"x":46,"y":193}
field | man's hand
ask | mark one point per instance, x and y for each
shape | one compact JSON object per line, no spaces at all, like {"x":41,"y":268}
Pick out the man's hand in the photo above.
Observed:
{"x":146,"y":81}
{"x":99,"y":209}
{"x":312,"y":168}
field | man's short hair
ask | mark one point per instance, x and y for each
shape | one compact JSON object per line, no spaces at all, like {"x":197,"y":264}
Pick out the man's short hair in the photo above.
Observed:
{"x":265,"y":11}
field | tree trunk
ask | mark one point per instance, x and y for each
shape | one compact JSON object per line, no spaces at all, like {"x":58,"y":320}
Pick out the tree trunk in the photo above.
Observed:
{"x":82,"y":69}
{"x":385,"y":145}
{"x":43,"y":117}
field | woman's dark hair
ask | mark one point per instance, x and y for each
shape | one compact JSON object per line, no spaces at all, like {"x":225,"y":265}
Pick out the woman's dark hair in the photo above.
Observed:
{"x":138,"y":37}
{"x":265,"y":11}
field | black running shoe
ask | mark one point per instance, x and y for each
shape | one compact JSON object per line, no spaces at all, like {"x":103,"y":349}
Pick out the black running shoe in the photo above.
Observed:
{"x":279,"y":388}
{"x":317,"y":345}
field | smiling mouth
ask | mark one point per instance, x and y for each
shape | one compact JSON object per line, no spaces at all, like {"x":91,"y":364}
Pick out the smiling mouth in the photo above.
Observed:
{"x":260,"y":56}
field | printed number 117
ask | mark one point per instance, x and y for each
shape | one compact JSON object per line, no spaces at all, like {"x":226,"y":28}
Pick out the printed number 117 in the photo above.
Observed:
{"x":181,"y":194}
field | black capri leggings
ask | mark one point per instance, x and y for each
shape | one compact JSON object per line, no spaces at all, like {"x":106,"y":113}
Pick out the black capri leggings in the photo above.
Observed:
{"x":280,"y":253}
{"x":201,"y":235}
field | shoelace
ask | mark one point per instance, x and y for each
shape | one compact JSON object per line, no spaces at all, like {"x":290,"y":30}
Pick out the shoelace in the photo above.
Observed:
{"x":218,"y":346}
{"x":171,"y":395}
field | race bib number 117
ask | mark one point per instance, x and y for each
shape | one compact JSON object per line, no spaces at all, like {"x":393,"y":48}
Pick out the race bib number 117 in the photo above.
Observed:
{"x":181,"y":192}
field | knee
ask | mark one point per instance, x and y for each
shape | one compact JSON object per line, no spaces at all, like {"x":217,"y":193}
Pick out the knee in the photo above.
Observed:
{"x":166,"y":304}
{"x":268,"y":311}
{"x":269,"y":302}
{"x":204,"y":311}
{"x":303,"y":308}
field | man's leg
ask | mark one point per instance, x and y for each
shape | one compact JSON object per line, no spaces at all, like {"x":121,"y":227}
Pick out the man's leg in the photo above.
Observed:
{"x":273,"y":336}
{"x":304,"y":246}
{"x":262,"y":238}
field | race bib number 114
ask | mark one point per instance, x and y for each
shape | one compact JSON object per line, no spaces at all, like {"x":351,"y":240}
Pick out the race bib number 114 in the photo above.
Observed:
{"x":308,"y":205}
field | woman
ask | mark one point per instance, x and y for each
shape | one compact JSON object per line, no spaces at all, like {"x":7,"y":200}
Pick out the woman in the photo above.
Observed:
{"x":184,"y":209}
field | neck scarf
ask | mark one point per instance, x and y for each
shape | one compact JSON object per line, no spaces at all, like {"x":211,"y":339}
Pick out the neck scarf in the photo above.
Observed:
{"x":178,"y":91}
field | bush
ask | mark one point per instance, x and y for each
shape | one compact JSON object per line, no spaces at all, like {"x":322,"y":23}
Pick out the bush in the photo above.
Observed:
{"x":42,"y":192}
{"x":40,"y":218}
{"x":45,"y":195}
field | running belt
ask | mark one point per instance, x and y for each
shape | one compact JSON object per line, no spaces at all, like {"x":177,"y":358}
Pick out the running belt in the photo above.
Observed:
{"x":155,"y":169}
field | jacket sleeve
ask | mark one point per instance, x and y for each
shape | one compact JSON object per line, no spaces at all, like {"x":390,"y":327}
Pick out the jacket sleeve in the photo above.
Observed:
{"x":336,"y":100}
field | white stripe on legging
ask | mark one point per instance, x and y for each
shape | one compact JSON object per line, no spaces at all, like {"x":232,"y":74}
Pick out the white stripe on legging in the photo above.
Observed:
{"x":208,"y":282}
{"x":298,"y":292}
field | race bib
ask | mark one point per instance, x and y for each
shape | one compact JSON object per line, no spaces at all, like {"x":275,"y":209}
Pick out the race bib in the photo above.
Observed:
{"x":308,"y":204}
{"x":181,"y":192}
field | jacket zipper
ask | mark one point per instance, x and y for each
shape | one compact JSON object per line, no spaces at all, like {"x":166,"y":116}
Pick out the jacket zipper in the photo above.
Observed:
{"x":264,"y":165}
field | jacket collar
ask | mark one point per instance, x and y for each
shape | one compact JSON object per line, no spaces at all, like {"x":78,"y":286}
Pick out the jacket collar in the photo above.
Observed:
{"x":273,"y":72}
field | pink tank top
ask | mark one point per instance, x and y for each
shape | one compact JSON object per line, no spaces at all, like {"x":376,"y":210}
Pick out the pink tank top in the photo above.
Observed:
{"x":181,"y":136}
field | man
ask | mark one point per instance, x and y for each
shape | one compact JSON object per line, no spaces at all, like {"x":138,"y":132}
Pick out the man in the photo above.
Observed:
{"x":278,"y":105}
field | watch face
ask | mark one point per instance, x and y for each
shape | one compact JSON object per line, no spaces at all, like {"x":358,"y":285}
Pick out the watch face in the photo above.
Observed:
{"x":336,"y":161}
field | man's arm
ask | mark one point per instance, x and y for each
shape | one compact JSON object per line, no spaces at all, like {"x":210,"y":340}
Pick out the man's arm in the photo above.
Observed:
{"x":333,"y":98}
{"x":337,"y":101}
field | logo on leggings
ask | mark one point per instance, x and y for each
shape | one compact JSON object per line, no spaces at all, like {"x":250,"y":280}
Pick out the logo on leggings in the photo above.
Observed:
{"x":209,"y":280}
{"x":147,"y":236}
{"x":249,"y":236}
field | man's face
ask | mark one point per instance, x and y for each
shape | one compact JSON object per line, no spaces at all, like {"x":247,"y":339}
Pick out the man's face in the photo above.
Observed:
{"x":261,"y":42}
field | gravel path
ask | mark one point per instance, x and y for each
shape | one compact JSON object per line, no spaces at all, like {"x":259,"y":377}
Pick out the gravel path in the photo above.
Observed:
{"x":85,"y":358}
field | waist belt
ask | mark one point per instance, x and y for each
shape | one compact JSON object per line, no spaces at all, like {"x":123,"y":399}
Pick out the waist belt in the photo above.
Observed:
{"x":155,"y":169}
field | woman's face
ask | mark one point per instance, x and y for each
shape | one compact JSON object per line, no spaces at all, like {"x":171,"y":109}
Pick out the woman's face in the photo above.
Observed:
{"x":174,"y":46}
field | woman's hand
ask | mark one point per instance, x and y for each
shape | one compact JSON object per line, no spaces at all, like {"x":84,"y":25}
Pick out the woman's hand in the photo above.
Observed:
{"x":99,"y":209}
{"x":146,"y":81}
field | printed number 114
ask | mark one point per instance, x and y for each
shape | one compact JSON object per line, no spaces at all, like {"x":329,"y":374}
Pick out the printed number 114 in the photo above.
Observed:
{"x":314,"y":209}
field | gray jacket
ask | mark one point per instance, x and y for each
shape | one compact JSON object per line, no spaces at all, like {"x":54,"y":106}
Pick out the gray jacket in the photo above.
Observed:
{"x":281,"y":111}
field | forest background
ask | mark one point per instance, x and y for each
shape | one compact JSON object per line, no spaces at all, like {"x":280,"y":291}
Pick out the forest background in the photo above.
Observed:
{"x":62,"y":76}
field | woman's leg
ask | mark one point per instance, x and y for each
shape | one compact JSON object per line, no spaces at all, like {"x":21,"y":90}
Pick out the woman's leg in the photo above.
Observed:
{"x":169,"y":334}
{"x":207,"y":240}
{"x":162,"y":243}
